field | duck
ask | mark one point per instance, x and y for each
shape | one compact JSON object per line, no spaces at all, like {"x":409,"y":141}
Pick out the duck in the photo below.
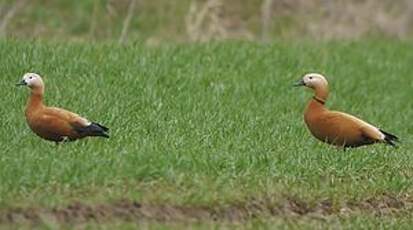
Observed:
{"x":337,"y":128}
{"x":52,"y":123}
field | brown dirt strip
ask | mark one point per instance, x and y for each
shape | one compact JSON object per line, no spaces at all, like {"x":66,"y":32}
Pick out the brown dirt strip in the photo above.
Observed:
{"x":134,"y":211}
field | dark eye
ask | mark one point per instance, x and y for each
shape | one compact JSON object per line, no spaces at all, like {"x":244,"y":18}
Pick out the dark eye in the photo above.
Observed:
{"x":30,"y":77}
{"x":311,"y":78}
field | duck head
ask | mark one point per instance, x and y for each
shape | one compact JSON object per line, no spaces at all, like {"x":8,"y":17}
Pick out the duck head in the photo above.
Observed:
{"x":313,"y":81}
{"x":31,"y":80}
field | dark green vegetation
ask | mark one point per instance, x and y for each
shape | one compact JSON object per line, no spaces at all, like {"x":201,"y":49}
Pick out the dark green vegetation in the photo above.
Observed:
{"x":211,"y":126}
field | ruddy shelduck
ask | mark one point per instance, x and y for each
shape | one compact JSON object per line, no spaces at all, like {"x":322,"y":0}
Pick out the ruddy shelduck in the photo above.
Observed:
{"x":337,"y":128}
{"x":55,"y":124}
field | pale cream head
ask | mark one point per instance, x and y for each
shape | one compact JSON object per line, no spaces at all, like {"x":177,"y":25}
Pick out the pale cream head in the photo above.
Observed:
{"x":317,"y":82}
{"x":32,"y":80}
{"x":314,"y":81}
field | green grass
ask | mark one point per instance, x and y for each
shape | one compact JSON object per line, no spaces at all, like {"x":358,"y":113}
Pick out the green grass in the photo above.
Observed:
{"x":205,"y":124}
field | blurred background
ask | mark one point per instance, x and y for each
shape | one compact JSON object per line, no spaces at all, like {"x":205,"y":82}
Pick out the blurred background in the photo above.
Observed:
{"x":157,"y":21}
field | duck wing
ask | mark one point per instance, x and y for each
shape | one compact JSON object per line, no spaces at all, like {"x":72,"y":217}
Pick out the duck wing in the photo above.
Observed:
{"x":52,"y":128}
{"x":356,"y":131}
{"x":80,"y":125}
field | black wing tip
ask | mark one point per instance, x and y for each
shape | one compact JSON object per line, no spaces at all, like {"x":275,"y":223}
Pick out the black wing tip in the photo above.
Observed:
{"x":106,"y":129}
{"x":391,"y":143}
{"x":389,"y":138}
{"x":389,"y":135}
{"x":94,"y":129}
{"x":103,"y":131}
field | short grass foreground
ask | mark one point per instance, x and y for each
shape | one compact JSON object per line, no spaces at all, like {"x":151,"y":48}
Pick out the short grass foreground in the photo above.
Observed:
{"x":211,"y":134}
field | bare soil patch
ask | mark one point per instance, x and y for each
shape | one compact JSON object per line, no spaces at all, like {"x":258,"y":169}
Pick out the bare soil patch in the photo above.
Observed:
{"x":128,"y":210}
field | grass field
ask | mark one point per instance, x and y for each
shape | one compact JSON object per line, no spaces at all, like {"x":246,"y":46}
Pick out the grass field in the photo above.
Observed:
{"x":206,"y":135}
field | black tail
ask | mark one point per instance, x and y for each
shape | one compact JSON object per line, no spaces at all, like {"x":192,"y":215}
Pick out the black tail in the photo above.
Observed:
{"x":389,"y":138}
{"x":101,"y":126}
{"x":94,"y":129}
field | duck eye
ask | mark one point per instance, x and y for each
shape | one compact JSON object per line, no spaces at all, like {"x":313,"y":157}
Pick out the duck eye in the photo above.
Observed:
{"x":30,"y":77}
{"x":311,"y":78}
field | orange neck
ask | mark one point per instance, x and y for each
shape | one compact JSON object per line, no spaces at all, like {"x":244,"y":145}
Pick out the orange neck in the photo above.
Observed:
{"x":321,"y":93}
{"x":316,"y":104}
{"x":36,"y":99}
{"x":319,"y":100}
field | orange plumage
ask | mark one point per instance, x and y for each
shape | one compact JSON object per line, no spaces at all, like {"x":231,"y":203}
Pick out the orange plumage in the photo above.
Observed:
{"x":55,"y":124}
{"x":338,"y":128}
